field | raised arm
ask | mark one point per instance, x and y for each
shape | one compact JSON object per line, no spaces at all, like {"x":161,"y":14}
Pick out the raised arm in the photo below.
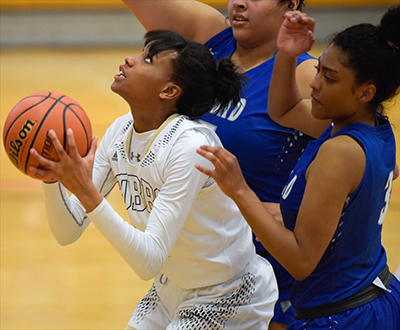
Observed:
{"x":288,"y":103}
{"x":191,"y":19}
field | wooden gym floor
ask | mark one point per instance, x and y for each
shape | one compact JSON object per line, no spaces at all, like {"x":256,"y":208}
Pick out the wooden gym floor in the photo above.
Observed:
{"x":86,"y":285}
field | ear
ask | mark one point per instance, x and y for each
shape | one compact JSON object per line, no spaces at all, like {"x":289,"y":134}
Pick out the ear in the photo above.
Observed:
{"x":170,"y":91}
{"x":292,"y":4}
{"x":367,"y":92}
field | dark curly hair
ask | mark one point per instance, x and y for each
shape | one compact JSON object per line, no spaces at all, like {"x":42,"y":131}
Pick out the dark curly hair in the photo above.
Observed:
{"x":205,"y":84}
{"x":373,"y":54}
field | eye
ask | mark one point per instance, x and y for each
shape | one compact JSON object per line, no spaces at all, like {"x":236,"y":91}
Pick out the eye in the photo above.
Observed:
{"x":147,"y":59}
{"x":326,"y":77}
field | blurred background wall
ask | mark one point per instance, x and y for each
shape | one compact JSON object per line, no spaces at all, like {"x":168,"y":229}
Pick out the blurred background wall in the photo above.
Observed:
{"x":93,"y":23}
{"x":76,"y":47}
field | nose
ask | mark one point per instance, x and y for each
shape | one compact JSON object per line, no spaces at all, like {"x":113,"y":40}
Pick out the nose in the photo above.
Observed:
{"x":239,"y":4}
{"x":129,"y":60}
{"x":315,"y":82}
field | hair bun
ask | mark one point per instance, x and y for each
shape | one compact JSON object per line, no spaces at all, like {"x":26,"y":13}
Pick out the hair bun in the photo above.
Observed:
{"x":390,"y":27}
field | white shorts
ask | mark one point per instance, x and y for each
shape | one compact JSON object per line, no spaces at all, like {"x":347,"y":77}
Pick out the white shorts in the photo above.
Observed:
{"x":244,"y":302}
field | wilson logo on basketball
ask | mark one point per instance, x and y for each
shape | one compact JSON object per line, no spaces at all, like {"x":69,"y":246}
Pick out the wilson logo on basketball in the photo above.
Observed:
{"x":47,"y":147}
{"x":15,"y":145}
{"x":29,"y":121}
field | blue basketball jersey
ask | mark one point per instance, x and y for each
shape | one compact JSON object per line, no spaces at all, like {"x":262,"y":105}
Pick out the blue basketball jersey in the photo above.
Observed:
{"x":355,"y":255}
{"x":266,"y":151}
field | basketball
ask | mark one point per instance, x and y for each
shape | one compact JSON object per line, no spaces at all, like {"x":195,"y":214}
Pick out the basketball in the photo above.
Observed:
{"x":29,"y":121}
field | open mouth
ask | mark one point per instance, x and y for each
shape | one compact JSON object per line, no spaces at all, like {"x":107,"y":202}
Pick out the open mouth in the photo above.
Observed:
{"x":121,"y":74}
{"x":239,"y":18}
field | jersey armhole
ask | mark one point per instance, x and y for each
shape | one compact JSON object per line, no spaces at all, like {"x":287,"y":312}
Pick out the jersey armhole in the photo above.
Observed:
{"x":357,"y":140}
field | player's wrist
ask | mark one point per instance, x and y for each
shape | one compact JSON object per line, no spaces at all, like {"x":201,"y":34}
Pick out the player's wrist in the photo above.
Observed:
{"x":90,"y":198}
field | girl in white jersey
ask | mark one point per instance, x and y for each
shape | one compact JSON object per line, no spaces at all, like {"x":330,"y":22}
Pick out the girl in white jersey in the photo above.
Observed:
{"x":184,"y":232}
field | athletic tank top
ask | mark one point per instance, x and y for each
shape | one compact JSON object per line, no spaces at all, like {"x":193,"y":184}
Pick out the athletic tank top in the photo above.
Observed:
{"x":266,"y":151}
{"x":355,"y":255}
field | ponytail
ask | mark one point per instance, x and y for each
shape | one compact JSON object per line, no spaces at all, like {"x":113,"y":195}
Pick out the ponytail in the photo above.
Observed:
{"x":389,"y":28}
{"x":205,"y":85}
{"x":228,"y":85}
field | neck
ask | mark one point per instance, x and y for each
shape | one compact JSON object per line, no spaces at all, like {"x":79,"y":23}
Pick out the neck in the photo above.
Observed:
{"x":340,"y":124}
{"x":147,"y":119}
{"x":249,"y":58}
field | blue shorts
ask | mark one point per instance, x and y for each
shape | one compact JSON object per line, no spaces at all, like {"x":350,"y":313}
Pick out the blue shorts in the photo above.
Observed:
{"x":283,"y":312}
{"x":382,"y":313}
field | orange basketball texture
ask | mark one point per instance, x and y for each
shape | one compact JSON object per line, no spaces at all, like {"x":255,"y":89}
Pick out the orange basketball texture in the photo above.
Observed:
{"x":28,"y":123}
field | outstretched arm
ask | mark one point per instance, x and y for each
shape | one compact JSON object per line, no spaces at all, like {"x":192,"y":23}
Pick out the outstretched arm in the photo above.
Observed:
{"x":192,"y":19}
{"x":330,"y":179}
{"x":288,"y":106}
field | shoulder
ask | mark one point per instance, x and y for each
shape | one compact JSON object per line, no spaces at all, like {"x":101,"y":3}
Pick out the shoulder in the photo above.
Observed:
{"x":183,"y":136}
{"x":121,"y":122}
{"x":340,"y":161}
{"x":222,"y":44}
{"x":341,"y":146}
{"x":198,"y":134}
{"x":307,"y":65}
{"x":119,"y":127}
{"x":305,"y":73}
{"x":189,"y":139}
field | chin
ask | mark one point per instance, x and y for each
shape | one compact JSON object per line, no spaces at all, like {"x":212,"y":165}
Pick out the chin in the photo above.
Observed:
{"x":316,"y":115}
{"x":114,"y":88}
{"x":315,"y":112}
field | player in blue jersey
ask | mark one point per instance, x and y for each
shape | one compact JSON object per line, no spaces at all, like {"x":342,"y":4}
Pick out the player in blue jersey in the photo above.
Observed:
{"x":336,"y":198}
{"x":247,"y":36}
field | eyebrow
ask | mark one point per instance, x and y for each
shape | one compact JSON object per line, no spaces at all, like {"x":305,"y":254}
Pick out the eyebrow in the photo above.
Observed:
{"x":325,"y":68}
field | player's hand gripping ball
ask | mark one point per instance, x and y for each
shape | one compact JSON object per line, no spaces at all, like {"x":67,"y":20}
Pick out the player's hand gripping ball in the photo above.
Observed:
{"x":28,"y":123}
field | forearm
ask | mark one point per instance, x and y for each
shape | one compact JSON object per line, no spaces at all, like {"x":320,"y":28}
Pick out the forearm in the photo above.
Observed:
{"x":279,"y":241}
{"x":65,"y":215}
{"x":284,"y":93}
{"x":193,"y":20}
{"x":152,"y":14}
{"x":144,"y":252}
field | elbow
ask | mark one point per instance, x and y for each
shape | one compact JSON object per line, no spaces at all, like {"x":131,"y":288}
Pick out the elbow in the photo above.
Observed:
{"x":145,"y":273}
{"x":146,"y":263}
{"x":396,"y":172}
{"x":301,"y":271}
{"x":146,"y":277}
{"x":274,"y":116}
{"x":64,"y":241}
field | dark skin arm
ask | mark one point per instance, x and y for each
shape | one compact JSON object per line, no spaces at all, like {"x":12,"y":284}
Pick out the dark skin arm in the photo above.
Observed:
{"x":332,"y":176}
{"x":193,"y":20}
{"x":288,"y":106}
{"x":72,"y":171}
